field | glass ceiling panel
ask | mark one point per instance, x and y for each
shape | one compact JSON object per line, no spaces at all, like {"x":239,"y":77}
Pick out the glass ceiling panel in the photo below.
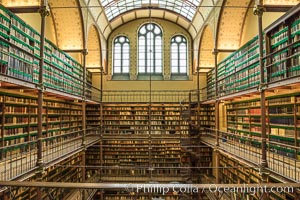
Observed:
{"x":186,"y":8}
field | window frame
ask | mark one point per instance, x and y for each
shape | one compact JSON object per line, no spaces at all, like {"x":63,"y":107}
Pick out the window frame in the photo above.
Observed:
{"x":121,"y":53}
{"x":153,"y":53}
{"x":178,"y":55}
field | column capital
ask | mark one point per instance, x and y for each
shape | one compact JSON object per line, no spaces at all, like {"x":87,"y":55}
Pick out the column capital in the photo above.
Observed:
{"x":215,"y":51}
{"x":85,"y":52}
{"x":44,"y":11}
{"x":258,"y":10}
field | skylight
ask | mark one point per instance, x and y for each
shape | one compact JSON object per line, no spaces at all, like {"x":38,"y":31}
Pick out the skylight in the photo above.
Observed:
{"x":186,"y":8}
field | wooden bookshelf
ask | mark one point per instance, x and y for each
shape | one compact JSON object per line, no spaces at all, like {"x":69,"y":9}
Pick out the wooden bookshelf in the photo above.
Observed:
{"x":20,"y":56}
{"x":94,"y":160}
{"x":243,"y":118}
{"x":207,"y":116}
{"x":62,"y":111}
{"x":93,"y":115}
{"x":211,"y":86}
{"x":233,"y":171}
{"x":240,"y":71}
{"x":283,"y":38}
{"x":141,"y":159}
{"x":65,"y":171}
{"x":144,"y":119}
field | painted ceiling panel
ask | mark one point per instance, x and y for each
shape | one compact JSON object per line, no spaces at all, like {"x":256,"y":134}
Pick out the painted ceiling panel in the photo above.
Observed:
{"x":231,"y":24}
{"x":206,"y":7}
{"x":206,"y":58}
{"x":184,"y":23}
{"x":142,"y":13}
{"x":102,"y":22}
{"x":95,"y":8}
{"x":192,"y":31}
{"x":198,"y":21}
{"x":18,"y":3}
{"x":106,"y":32}
{"x":117,"y":22}
{"x":129,"y":16}
{"x":67,"y":19}
{"x":93,"y":58}
{"x":157,"y":13}
{"x":171,"y":16}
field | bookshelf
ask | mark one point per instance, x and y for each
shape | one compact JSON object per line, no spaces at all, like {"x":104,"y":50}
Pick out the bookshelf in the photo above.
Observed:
{"x":20,"y":56}
{"x":207,"y":116}
{"x":240,"y":71}
{"x":136,"y":118}
{"x":62,"y":108}
{"x":283,"y":47}
{"x":243,"y":118}
{"x":236,"y":172}
{"x":204,"y":159}
{"x":64,"y":172}
{"x":211,"y":86}
{"x":94,"y":160}
{"x":93,"y":115}
{"x":139,"y":158}
{"x":62,"y":122}
{"x":233,"y":171}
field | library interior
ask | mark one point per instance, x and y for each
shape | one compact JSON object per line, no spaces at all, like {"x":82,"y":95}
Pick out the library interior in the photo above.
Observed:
{"x":149,"y":99}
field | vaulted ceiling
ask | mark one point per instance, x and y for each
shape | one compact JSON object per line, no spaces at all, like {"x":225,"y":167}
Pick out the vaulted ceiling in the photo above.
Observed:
{"x":221,"y":29}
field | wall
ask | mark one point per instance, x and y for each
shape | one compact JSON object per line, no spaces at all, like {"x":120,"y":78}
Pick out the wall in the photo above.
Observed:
{"x":130,"y":30}
{"x":34,"y":20}
{"x":251,"y":28}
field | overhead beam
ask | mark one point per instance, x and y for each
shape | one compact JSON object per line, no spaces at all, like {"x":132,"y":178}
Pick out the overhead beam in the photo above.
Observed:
{"x":277,"y":8}
{"x":148,"y":186}
{"x":24,"y":9}
{"x":225,"y":50}
{"x":73,"y":50}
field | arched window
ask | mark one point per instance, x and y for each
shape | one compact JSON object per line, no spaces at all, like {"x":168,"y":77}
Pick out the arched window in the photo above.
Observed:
{"x":150,"y":49}
{"x":121,"y":55}
{"x":178,"y":55}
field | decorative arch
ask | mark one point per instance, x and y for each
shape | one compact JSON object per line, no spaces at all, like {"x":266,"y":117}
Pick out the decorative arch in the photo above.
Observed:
{"x":68,"y":21}
{"x":231,"y":22}
{"x":206,"y":46}
{"x":94,"y":56}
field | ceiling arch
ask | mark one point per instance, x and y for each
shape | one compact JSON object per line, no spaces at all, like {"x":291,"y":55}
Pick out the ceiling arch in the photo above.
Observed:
{"x":206,"y":46}
{"x":146,"y":13}
{"x":231,"y":22}
{"x":68,"y":22}
{"x":93,"y":58}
